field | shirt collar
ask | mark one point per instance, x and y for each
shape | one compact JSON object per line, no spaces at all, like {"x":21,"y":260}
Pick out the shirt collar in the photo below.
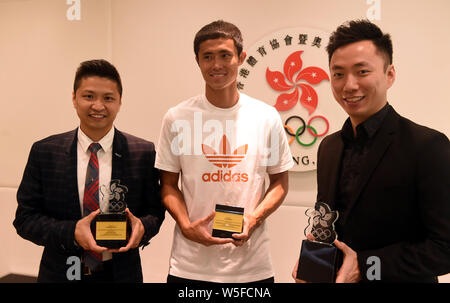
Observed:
{"x":368,"y":128}
{"x":106,"y":142}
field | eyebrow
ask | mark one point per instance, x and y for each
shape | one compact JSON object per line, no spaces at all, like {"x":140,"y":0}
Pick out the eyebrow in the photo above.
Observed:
{"x":222,"y":51}
{"x":84,"y":91}
{"x":359,"y":64}
{"x":94,"y":92}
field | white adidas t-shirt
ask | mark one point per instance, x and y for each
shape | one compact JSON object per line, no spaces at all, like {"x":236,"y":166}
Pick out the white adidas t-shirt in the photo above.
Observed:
{"x":223,"y":155}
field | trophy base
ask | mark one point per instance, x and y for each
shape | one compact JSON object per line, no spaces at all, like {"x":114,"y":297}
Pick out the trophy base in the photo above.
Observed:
{"x":317,"y":263}
{"x":222,"y":233}
{"x":110,"y":230}
{"x":228,"y":220}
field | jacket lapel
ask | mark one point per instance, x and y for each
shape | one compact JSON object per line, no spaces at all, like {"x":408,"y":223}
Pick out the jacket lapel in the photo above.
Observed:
{"x":333,"y":170}
{"x":119,"y":156}
{"x":71,"y":172}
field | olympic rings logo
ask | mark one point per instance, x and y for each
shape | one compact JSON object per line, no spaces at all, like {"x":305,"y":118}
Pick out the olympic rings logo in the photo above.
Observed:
{"x":305,"y":126}
{"x":118,"y":206}
{"x":321,"y":233}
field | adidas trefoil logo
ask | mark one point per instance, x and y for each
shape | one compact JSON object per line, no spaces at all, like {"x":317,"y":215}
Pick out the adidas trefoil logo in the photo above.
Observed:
{"x":225,"y":159}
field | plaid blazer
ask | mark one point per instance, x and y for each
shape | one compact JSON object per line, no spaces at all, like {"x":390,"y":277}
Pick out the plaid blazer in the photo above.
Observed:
{"x":49,"y":208}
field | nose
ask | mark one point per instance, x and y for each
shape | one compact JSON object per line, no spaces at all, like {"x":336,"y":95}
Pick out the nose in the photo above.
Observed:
{"x":351,"y":84}
{"x":98,"y":105}
{"x":216,"y":63}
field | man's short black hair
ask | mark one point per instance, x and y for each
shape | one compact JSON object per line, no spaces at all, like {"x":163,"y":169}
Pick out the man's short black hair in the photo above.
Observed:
{"x":219,"y":29}
{"x":99,"y":68}
{"x":359,"y":30}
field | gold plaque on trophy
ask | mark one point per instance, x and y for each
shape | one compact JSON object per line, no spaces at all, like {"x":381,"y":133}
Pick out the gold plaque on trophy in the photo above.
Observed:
{"x":111,"y":230}
{"x":228,"y":220}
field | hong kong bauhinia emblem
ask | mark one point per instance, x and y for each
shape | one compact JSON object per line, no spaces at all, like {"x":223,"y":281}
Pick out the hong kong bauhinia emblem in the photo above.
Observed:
{"x":321,"y":221}
{"x":115,"y":196}
{"x":287,"y":69}
{"x":285,"y":82}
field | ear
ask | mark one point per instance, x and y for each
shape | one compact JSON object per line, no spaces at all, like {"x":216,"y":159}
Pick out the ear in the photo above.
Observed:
{"x":390,"y":74}
{"x":196,"y":59}
{"x":74,"y":100}
{"x":242,"y":57}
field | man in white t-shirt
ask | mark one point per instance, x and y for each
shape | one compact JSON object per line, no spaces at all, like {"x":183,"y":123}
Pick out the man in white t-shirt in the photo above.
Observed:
{"x":223,"y":144}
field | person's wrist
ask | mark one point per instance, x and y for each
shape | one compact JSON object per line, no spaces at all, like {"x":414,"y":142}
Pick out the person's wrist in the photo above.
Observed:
{"x":255,"y":220}
{"x":185,"y":227}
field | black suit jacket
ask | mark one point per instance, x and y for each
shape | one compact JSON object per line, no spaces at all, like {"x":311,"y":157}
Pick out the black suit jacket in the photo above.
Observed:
{"x":49,"y":208}
{"x":400,"y":211}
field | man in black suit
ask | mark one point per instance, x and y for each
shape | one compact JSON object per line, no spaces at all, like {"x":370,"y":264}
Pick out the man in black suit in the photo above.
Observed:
{"x":388,"y":177}
{"x":50,"y":196}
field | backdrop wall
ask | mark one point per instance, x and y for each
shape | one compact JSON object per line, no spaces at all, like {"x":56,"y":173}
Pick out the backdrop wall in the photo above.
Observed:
{"x":150,"y":42}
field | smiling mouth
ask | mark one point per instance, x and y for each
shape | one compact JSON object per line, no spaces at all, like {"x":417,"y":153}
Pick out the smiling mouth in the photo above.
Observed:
{"x":353,"y":99}
{"x":97,"y":116}
{"x":217,"y":75}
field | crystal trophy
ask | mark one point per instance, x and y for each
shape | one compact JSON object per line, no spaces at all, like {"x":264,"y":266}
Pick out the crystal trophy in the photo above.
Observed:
{"x":228,"y":220}
{"x":317,"y":262}
{"x":110,"y":228}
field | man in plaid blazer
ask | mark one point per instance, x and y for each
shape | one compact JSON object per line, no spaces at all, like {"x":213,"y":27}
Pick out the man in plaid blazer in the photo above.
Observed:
{"x":49,"y":209}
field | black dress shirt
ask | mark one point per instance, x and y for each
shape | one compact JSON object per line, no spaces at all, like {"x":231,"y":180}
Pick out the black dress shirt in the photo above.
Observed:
{"x":354,"y":155}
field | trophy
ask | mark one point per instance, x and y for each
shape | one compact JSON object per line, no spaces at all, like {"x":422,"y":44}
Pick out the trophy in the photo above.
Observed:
{"x":111,"y":225}
{"x":317,"y":262}
{"x":228,"y":220}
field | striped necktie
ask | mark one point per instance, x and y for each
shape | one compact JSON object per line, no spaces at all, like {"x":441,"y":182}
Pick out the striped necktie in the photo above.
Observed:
{"x":91,"y":200}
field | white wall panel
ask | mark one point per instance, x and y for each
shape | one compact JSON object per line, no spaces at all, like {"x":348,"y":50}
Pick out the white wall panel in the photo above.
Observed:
{"x":150,"y":42}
